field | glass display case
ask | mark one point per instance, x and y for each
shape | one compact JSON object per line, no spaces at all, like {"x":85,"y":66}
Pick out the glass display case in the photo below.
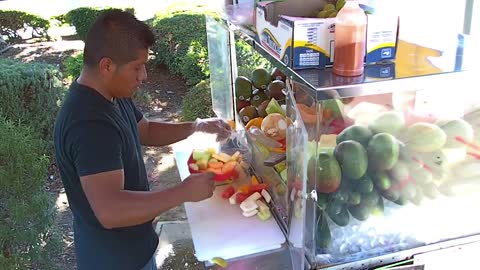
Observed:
{"x":377,"y":168}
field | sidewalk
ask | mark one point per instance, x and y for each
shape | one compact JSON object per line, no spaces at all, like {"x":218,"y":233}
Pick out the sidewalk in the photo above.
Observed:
{"x":175,"y":250}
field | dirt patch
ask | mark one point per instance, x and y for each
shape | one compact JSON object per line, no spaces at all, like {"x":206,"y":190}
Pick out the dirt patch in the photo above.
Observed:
{"x":53,"y":53}
{"x":160,"y":98}
{"x":166,"y":92}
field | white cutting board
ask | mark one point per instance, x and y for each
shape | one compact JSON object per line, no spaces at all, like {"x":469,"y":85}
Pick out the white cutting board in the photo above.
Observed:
{"x":220,"y":230}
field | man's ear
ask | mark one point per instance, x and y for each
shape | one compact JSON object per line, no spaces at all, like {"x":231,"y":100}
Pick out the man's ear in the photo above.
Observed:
{"x":106,"y":66}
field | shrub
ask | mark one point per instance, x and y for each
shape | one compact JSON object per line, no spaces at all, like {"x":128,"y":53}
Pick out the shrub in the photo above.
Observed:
{"x":27,"y":236}
{"x":61,"y":19}
{"x":73,"y":66}
{"x":182,"y":45}
{"x":248,"y":59}
{"x":11,"y":21}
{"x":30,"y":93}
{"x":83,"y":18}
{"x":198,"y":102}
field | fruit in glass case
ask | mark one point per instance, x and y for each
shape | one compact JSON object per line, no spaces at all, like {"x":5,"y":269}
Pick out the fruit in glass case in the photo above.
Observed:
{"x":391,"y":194}
{"x":257,"y":122}
{"x":456,"y":131}
{"x":243,"y":88}
{"x":261,"y":109}
{"x":382,"y":181}
{"x":327,"y":171}
{"x":364,"y":185}
{"x":332,"y":109}
{"x":277,"y":74}
{"x":275,"y":90}
{"x":258,"y":97}
{"x":323,"y":235}
{"x":359,"y":133}
{"x":388,"y":122}
{"x":355,"y":198}
{"x":352,"y":158}
{"x":359,"y":212}
{"x":242,"y":104}
{"x":260,"y":78}
{"x":421,"y":176}
{"x":383,"y":151}
{"x":342,"y":218}
{"x":274,"y":126}
{"x":399,"y":172}
{"x":424,"y":137}
{"x":378,"y":209}
{"x":274,"y":107}
{"x":248,"y":113}
{"x":435,"y":162}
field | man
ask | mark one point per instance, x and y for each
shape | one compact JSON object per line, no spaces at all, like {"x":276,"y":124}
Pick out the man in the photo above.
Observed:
{"x":98,"y":137}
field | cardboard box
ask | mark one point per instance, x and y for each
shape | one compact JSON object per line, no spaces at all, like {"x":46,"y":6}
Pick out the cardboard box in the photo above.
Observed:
{"x":285,"y":29}
{"x":382,"y":35}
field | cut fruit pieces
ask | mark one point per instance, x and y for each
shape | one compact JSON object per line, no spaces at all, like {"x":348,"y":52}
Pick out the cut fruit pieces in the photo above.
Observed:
{"x":248,"y":205}
{"x":200,"y":154}
{"x":222,"y":157}
{"x":228,"y":192}
{"x":266,"y":196}
{"x":229,"y":166}
{"x":254,"y":180}
{"x":240,"y":197}
{"x":264,"y":215}
{"x":235,"y":156}
{"x":215,"y":165}
{"x":233,"y":198}
{"x":193,"y":166}
{"x":250,"y":213}
{"x":202,"y":164}
{"x":255,"y":196}
{"x":219,"y":261}
{"x":262,"y":207}
{"x":215,"y":171}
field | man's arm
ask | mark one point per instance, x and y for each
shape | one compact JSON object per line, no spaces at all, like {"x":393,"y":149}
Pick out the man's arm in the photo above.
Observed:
{"x":155,"y":133}
{"x":115,"y":207}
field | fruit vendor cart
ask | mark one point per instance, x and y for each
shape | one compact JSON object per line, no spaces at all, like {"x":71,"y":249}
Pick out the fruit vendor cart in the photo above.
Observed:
{"x":379,"y":171}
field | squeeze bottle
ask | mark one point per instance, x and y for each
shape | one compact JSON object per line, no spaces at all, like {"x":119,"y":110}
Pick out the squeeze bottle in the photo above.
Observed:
{"x":350,"y":38}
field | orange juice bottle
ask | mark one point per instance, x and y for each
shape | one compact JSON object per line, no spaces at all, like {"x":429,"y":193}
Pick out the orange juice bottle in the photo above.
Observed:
{"x":350,"y":38}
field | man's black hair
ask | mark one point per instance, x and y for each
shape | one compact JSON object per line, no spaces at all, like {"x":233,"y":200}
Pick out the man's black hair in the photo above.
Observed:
{"x":118,"y":35}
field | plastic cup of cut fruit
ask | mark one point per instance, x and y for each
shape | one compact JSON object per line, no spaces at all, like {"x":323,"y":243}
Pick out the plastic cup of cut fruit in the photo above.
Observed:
{"x":223,"y":170}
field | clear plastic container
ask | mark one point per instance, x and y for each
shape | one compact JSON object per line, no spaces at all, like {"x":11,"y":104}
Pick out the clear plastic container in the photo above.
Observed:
{"x":350,"y":38}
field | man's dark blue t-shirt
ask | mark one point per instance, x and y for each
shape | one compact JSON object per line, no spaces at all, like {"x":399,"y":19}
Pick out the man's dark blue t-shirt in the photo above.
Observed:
{"x":93,"y":135}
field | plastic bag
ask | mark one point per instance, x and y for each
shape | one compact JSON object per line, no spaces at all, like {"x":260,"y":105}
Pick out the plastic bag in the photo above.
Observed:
{"x":216,"y":126}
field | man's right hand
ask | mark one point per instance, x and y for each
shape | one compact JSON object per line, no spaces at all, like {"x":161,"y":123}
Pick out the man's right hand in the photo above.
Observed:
{"x":199,"y":186}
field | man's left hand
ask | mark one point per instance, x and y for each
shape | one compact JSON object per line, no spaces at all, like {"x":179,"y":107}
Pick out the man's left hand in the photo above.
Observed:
{"x":213,"y":126}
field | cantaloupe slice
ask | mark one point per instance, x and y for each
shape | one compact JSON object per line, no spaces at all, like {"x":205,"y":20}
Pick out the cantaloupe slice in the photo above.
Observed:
{"x":215,"y":171}
{"x":229,"y":166}
{"x":215,"y":165}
